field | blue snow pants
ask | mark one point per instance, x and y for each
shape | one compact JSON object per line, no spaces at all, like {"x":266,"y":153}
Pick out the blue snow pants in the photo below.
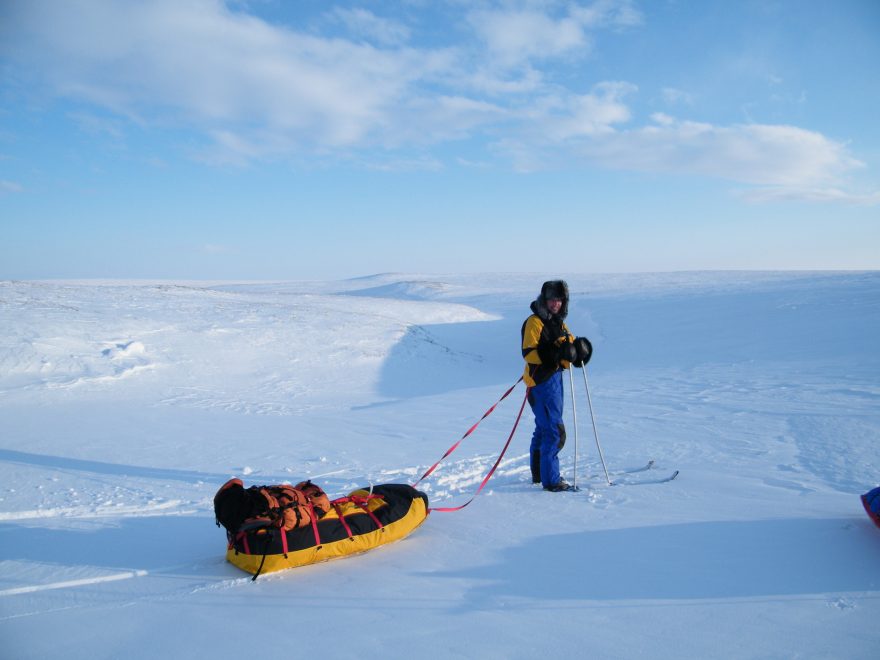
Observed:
{"x":549,"y":436}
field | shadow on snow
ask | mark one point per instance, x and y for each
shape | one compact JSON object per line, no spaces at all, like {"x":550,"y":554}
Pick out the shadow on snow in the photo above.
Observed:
{"x":64,"y":463}
{"x":144,"y":543}
{"x":704,"y":560}
{"x":435,"y":359}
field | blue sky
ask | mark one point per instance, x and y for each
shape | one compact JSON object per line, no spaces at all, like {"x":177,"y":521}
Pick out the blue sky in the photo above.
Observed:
{"x":317,"y":139}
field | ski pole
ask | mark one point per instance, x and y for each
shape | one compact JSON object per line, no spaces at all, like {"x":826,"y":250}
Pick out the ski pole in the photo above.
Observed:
{"x":574,"y":482}
{"x":595,"y":432}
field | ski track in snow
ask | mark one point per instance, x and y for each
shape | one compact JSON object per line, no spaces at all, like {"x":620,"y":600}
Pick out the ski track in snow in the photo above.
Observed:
{"x":125,"y":406}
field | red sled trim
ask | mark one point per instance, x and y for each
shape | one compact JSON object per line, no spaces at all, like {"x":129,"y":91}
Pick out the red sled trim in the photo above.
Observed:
{"x":873,"y":516}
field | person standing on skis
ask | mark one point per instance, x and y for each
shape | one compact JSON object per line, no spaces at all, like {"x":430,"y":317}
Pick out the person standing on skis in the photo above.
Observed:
{"x":548,"y":349}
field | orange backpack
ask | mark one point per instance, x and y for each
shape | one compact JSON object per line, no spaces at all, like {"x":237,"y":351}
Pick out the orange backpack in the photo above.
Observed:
{"x":282,"y":506}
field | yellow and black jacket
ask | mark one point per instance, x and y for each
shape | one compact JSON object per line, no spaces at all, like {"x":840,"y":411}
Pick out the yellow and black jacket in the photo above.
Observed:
{"x":542,"y":335}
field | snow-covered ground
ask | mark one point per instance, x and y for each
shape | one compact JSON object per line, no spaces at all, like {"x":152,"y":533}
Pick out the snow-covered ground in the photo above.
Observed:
{"x":125,"y":405}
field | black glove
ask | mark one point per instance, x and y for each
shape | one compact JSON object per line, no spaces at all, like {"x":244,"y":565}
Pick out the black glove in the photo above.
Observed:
{"x":567,"y":351}
{"x":584,"y":351}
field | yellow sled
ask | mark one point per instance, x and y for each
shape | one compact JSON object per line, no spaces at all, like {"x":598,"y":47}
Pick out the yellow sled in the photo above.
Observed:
{"x":354,"y":524}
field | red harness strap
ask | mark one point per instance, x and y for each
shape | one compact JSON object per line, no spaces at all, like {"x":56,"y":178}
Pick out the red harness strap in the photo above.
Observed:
{"x":315,"y":526}
{"x":469,"y":431}
{"x":283,"y":533}
{"x":497,"y":462}
{"x":244,"y":542}
{"x":342,"y":519}
{"x":361,"y":502}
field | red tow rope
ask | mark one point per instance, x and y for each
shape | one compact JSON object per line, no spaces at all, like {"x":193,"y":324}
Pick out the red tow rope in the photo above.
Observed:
{"x":471,"y":430}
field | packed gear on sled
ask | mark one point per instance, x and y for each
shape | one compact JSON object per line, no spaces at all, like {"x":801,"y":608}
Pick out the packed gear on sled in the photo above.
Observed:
{"x":270,"y":528}
{"x":871,"y":502}
{"x":284,"y":506}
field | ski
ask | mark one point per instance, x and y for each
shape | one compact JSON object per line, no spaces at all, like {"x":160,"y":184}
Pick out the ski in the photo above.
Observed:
{"x":645,"y":482}
{"x":621,"y":477}
{"x":644,"y":468}
{"x":647,"y":466}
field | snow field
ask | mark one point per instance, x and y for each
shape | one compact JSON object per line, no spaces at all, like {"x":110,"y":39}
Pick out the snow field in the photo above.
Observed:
{"x":124,"y":406}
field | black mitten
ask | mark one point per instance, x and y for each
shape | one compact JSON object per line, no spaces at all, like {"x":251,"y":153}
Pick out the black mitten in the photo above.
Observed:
{"x":584,"y":351}
{"x":567,"y":351}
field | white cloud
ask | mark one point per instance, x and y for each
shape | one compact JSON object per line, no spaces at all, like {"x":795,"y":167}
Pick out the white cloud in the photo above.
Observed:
{"x":770,"y":155}
{"x":673,"y":96}
{"x":547,"y":129}
{"x":591,"y":114}
{"x":94,"y":125}
{"x":364,"y":23}
{"x":258,"y":91}
{"x":235,"y":148}
{"x":821,"y":195}
{"x":787,"y":162}
{"x":418,"y":164}
{"x":10,"y":187}
{"x":608,"y":13}
{"x":255,"y":90}
{"x":517,"y":33}
{"x":202,"y":63}
{"x":433,"y":119}
{"x":513,"y":37}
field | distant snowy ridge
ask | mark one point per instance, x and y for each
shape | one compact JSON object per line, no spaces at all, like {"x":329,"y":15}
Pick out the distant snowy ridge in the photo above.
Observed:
{"x":410,"y":290}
